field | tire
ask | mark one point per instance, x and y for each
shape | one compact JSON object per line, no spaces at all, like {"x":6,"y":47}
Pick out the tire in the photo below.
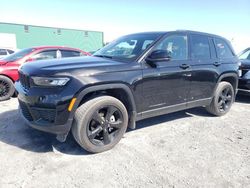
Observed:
{"x":100,"y":123}
{"x":7,"y":88}
{"x":223,"y":99}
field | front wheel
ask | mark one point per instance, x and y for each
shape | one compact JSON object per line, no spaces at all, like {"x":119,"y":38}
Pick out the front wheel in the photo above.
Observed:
{"x":7,"y":88}
{"x":100,"y":123}
{"x":223,"y":99}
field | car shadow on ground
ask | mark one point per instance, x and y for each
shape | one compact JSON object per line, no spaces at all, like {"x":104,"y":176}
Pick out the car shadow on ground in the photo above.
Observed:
{"x":14,"y":132}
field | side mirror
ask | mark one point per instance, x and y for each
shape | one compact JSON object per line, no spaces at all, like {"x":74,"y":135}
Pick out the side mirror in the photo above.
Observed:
{"x":160,"y":55}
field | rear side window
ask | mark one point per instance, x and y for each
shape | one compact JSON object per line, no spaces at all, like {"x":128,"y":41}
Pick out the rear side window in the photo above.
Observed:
{"x":3,"y":52}
{"x":200,"y":47}
{"x":223,"y":50}
{"x":70,"y":53}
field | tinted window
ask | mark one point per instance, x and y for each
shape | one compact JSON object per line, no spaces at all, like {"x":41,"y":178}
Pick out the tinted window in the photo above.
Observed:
{"x":176,"y":45}
{"x":129,"y":47}
{"x":200,"y":47}
{"x":10,"y":51}
{"x":51,"y":54}
{"x":245,"y":55}
{"x":18,"y":55}
{"x":3,"y":52}
{"x":222,"y":48}
{"x":146,"y":44}
{"x":69,"y":53}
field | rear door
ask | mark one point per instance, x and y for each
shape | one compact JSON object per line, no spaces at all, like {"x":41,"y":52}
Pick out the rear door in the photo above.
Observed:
{"x":204,"y":67}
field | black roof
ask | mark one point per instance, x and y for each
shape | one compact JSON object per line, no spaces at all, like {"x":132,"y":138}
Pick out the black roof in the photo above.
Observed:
{"x":178,"y":31}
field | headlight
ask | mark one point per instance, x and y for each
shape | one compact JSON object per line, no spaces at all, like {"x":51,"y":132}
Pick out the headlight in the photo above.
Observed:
{"x":45,"y":81}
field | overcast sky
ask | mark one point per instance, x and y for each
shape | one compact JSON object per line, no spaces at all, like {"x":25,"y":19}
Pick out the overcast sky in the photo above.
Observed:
{"x":229,"y":18}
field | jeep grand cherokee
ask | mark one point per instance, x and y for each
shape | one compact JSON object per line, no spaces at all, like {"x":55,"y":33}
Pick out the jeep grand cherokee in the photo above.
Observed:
{"x":134,"y":77}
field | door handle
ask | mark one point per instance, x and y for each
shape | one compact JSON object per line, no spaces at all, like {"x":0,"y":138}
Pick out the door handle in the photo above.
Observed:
{"x":217,"y":64}
{"x":184,"y":66}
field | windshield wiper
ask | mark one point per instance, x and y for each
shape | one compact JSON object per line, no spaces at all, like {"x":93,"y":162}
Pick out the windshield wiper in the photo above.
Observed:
{"x":104,"y":56}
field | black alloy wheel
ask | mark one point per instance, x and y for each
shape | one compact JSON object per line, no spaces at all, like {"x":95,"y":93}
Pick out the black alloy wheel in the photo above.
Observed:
{"x":225,"y":99}
{"x":6,"y":88}
{"x":104,"y":125}
{"x":100,"y":123}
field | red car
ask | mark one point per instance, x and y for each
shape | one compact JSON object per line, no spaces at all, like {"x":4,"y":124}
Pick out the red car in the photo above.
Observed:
{"x":10,"y":64}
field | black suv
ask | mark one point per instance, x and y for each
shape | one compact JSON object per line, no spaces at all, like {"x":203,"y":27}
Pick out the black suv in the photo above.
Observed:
{"x":135,"y":77}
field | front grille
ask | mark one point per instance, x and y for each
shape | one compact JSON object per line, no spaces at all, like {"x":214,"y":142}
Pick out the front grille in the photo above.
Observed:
{"x":24,"y":80}
{"x":37,"y":114}
{"x":25,"y":111}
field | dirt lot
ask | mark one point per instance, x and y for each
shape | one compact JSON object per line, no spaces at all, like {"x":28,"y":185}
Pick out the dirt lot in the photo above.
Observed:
{"x":184,"y":149}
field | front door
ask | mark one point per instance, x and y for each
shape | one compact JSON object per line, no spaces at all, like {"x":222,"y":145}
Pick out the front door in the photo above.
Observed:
{"x":168,"y":84}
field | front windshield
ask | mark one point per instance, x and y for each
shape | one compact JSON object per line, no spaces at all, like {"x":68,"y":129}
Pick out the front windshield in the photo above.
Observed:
{"x":245,"y":55}
{"x":18,"y":55}
{"x":128,"y":48}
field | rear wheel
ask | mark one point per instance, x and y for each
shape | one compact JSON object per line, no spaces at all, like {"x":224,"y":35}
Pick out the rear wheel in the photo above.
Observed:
{"x":223,"y":99}
{"x":7,"y":88}
{"x":100,"y":123}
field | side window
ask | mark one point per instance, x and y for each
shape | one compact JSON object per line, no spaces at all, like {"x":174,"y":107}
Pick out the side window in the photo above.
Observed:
{"x":176,"y":46}
{"x":10,"y":51}
{"x":3,"y":52}
{"x":70,"y":53}
{"x":50,"y":54}
{"x":146,"y":44}
{"x":200,"y":47}
{"x":223,"y":50}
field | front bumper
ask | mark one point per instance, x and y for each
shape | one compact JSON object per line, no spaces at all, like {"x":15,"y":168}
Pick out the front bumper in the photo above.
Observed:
{"x":46,"y":111}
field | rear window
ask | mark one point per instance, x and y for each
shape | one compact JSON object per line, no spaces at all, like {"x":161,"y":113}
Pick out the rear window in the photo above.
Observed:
{"x":223,"y":50}
{"x":200,"y":47}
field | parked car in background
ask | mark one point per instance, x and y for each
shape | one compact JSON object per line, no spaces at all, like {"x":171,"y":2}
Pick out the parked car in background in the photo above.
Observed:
{"x":10,"y":64}
{"x":244,"y":80}
{"x":5,"y":52}
{"x":135,"y":77}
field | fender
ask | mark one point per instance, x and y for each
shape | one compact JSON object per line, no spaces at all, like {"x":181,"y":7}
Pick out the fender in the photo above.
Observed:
{"x":124,"y":87}
{"x":231,"y":74}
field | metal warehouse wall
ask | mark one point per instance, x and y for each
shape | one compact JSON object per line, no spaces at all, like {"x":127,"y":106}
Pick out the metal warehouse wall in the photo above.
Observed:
{"x":38,"y":36}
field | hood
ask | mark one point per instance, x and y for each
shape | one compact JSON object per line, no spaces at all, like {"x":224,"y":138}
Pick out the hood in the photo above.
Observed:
{"x":90,"y":65}
{"x":245,"y":64}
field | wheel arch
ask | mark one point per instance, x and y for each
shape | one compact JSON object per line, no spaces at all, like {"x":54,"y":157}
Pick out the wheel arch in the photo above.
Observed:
{"x":232,"y":78}
{"x":8,"y":77}
{"x":118,"y":90}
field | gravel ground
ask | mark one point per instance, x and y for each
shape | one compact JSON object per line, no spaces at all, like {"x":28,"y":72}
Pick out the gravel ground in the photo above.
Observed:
{"x":184,"y":149}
